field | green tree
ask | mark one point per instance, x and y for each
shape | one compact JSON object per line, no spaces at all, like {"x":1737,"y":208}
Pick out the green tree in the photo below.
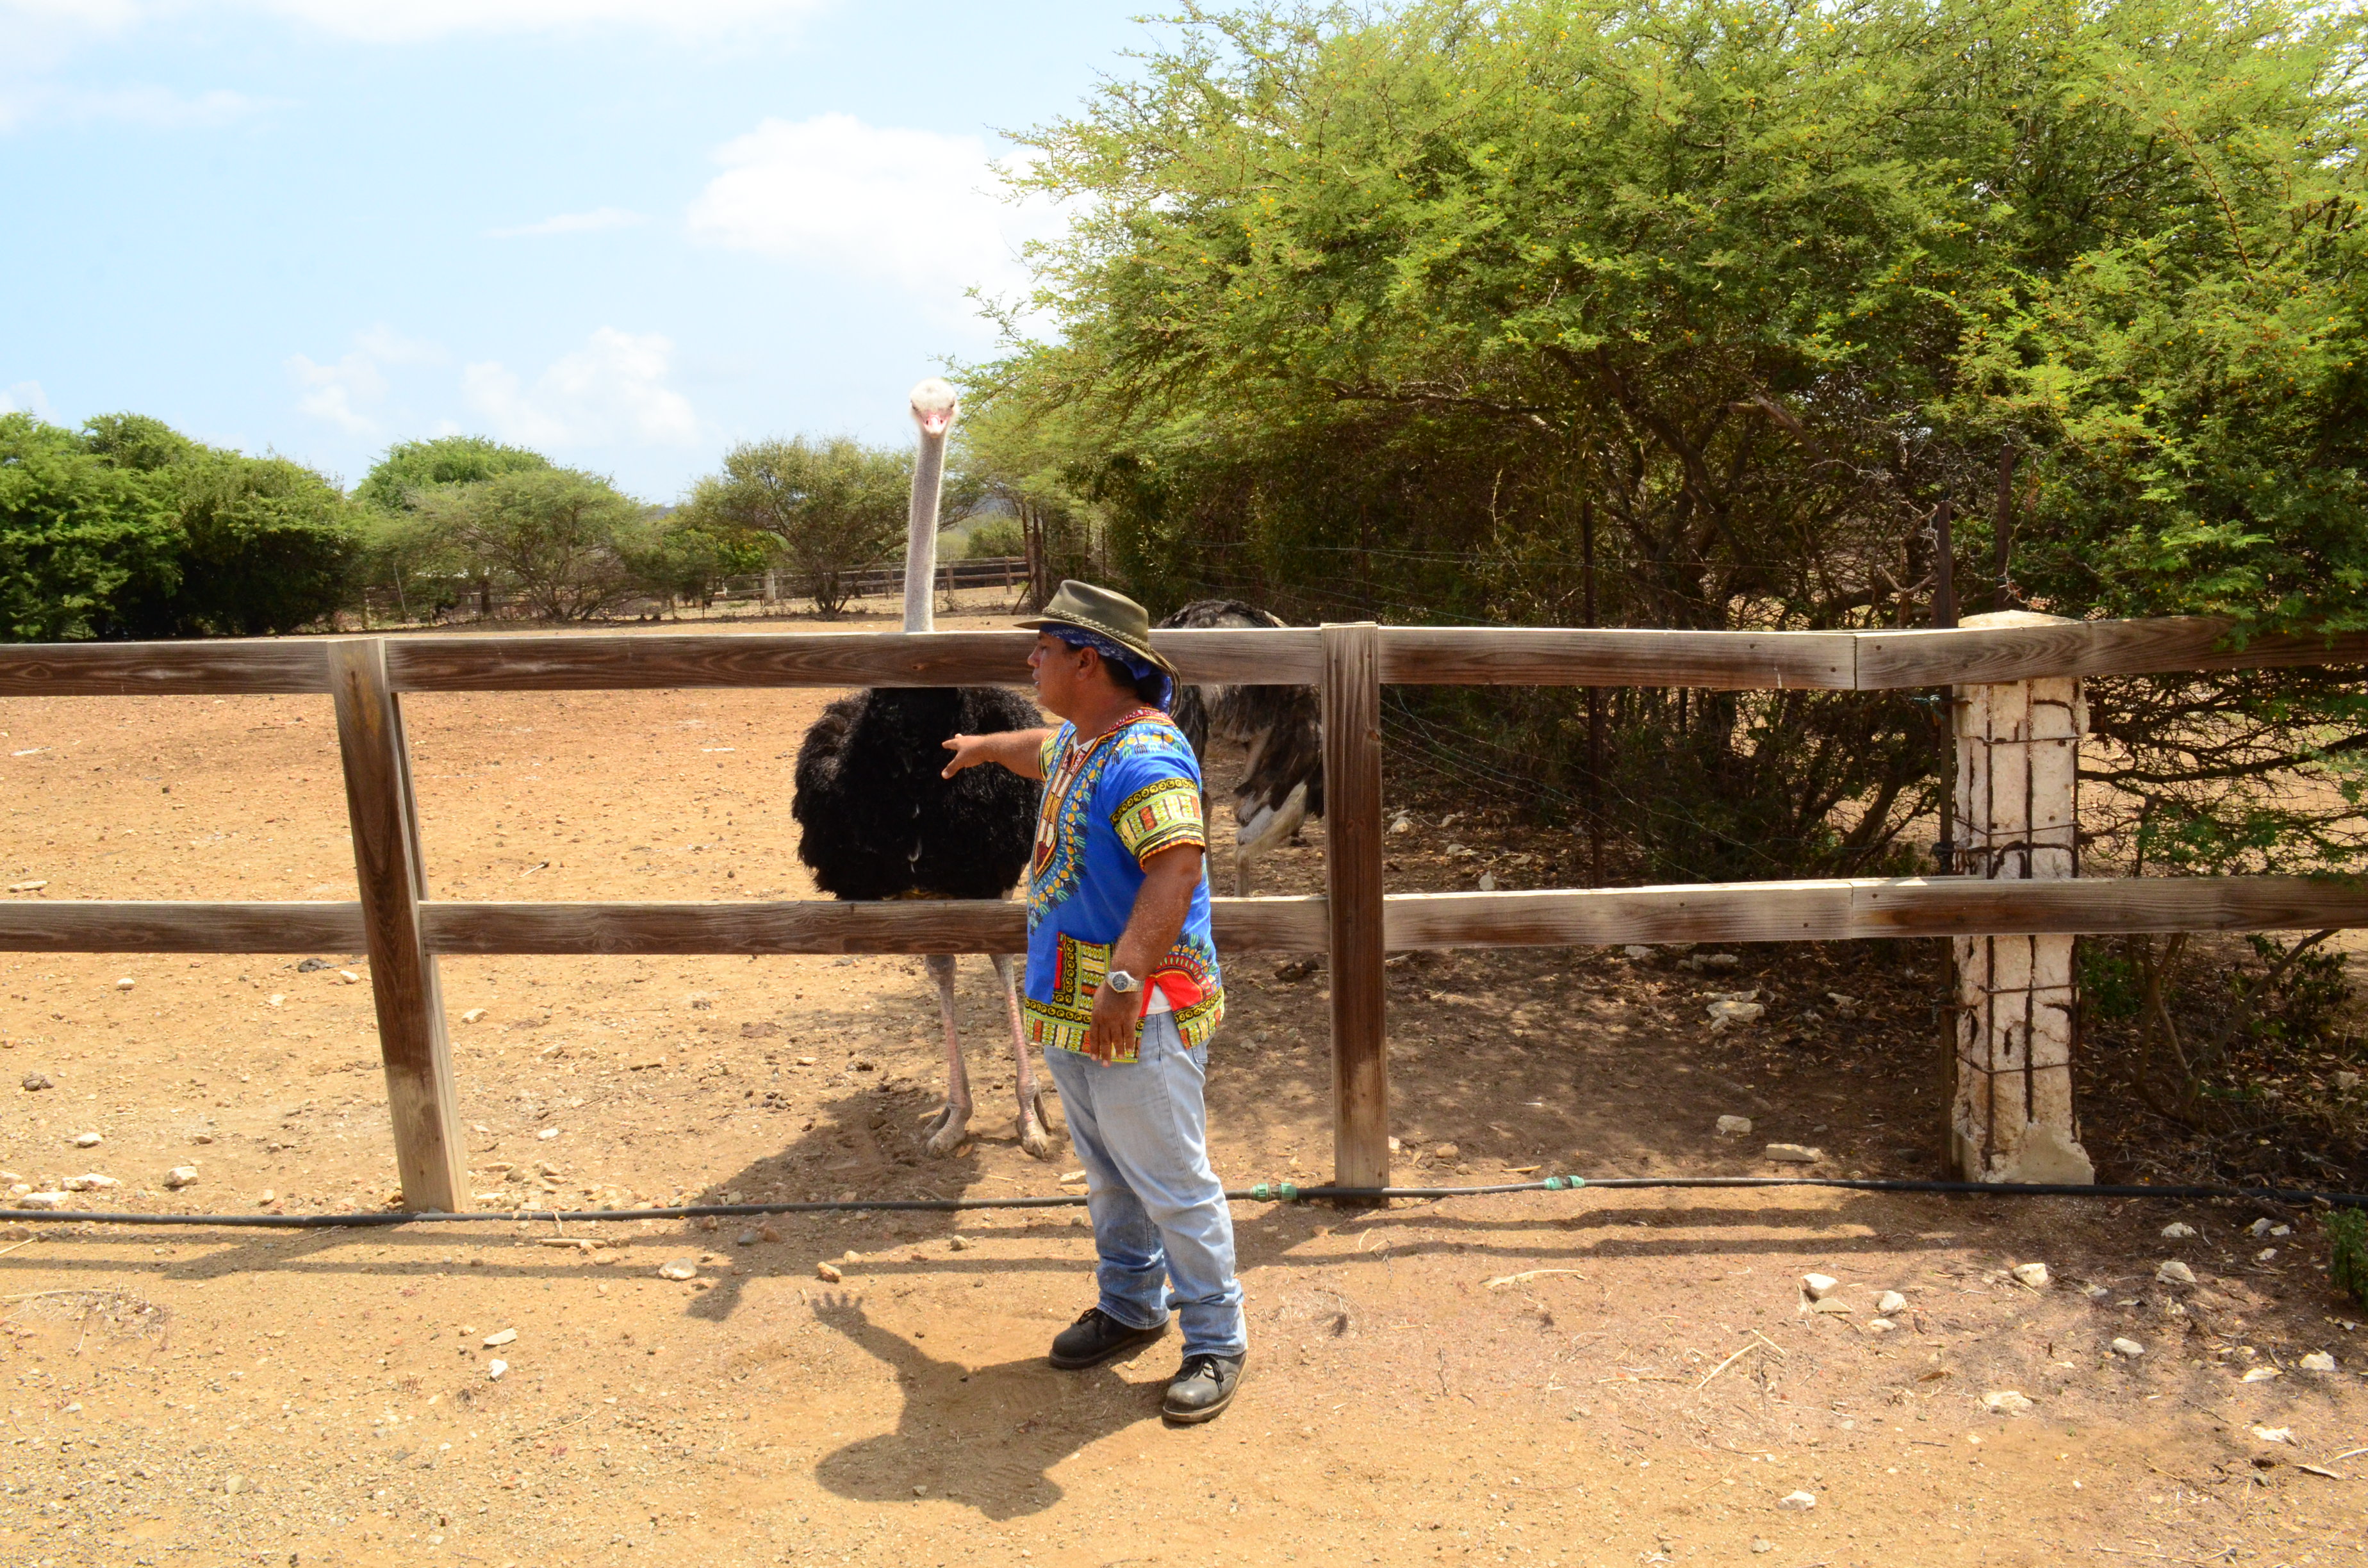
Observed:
{"x":831,"y":507}
{"x":412,"y":469}
{"x":413,"y":555}
{"x":560,"y":538}
{"x":78,"y":535}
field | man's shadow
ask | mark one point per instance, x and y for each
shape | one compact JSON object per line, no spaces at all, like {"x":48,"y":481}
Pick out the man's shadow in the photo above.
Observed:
{"x":986,"y":1436}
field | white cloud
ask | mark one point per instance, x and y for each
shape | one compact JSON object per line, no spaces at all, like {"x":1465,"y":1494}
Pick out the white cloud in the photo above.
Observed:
{"x":330,"y":390}
{"x":918,"y":207}
{"x":590,"y":222}
{"x":27,"y":397}
{"x":613,"y":391}
{"x":387,"y":347}
{"x":158,"y":106}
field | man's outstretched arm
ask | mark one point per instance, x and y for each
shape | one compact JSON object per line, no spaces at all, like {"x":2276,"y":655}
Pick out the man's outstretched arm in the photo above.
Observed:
{"x":1020,"y":750}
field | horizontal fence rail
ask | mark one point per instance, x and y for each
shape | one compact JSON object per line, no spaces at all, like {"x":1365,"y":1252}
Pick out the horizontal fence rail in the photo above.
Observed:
{"x":1424,"y":655}
{"x":404,"y":932}
{"x":1837,"y":910}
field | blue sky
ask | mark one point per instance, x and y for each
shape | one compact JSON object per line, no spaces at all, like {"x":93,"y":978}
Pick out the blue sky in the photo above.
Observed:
{"x":628,"y":233}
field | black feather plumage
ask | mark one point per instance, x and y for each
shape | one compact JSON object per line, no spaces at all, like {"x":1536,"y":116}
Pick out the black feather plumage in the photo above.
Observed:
{"x":1283,"y":725}
{"x":876,"y":819}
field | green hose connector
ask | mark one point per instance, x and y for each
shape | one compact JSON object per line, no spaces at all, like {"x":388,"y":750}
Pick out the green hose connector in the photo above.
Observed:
{"x":1276,"y":1192}
{"x":1564,"y":1184}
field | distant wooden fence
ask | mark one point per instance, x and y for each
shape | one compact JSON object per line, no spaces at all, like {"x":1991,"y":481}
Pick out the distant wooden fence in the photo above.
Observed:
{"x":472,"y":600}
{"x":404,"y":931}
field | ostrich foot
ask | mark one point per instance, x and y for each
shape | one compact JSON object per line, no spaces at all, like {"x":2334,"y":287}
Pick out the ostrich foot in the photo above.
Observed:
{"x":948,"y":1131}
{"x":1035,"y":1137}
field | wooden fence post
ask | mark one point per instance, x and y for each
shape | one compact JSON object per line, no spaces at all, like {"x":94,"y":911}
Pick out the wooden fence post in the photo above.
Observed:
{"x":2017,"y":797}
{"x":385,"y":821}
{"x":1352,"y":873}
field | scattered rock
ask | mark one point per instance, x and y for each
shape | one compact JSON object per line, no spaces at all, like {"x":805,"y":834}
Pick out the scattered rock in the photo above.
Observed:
{"x":2034,"y":1275}
{"x":1890,"y":1301}
{"x":1798,"y":1502}
{"x":2178,"y":1230}
{"x":124,"y":985}
{"x":26,"y":887}
{"x":94,"y":1182}
{"x":1638,"y":951}
{"x":234,"y":1484}
{"x":2274,"y":1433}
{"x":1446,"y":1152}
{"x":311,"y":966}
{"x":680,"y":1268}
{"x":2257,"y":1228}
{"x":1733,"y":1124}
{"x":1879,"y":1325}
{"x":1487,"y":881}
{"x":829,"y":1272}
{"x":39,"y":1081}
{"x":960,"y":1243}
{"x":850,"y":1255}
{"x":2318,"y":1361}
{"x":1713,"y":960}
{"x":1760,"y":1545}
{"x":765,"y":1233}
{"x":746,"y":1239}
{"x":349,"y":977}
{"x":1402,"y":823}
{"x":276,"y":999}
{"x":473,"y":1015}
{"x":2129,"y":1348}
{"x":1726,"y":1014}
{"x":547,"y":1133}
{"x":2259,"y":1374}
{"x":2174,"y":1272}
{"x":2347,"y":1081}
{"x":1818,"y":1286}
{"x":181,"y":1176}
{"x":1792,"y":1154}
{"x":41,"y":1200}
{"x":507,"y":1337}
{"x":1833,"y":1304}
{"x":2006,"y":1402}
{"x":494,"y":1369}
{"x":87,"y":1141}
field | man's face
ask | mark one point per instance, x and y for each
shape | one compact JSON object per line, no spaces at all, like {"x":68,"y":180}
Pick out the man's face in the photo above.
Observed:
{"x":1063,"y":674}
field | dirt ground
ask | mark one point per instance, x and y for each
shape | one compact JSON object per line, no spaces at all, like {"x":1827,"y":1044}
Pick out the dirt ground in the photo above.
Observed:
{"x":1595,"y":1378}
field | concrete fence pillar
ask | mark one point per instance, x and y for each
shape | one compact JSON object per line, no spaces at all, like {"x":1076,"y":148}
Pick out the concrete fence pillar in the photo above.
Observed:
{"x":2018,"y":816}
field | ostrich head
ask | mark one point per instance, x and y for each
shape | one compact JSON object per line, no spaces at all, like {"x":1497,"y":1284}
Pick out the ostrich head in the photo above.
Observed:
{"x":934,"y":406}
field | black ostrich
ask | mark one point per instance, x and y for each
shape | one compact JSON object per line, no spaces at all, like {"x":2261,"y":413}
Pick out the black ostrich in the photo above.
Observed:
{"x":1281,"y":726}
{"x":878,"y":820}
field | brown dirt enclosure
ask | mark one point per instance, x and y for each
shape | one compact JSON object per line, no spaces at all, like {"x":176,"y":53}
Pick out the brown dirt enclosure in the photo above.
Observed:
{"x":1591,"y":1378}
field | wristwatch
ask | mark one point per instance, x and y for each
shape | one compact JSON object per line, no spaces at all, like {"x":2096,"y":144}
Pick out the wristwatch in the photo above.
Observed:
{"x":1118,"y":980}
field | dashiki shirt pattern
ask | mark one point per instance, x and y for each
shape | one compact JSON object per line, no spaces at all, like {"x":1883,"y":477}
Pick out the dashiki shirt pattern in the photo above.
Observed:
{"x":1108,"y":805}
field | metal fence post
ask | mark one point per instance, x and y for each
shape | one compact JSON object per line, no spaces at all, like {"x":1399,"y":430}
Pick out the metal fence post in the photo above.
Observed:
{"x":418,"y":1058}
{"x":1352,"y":870}
{"x":2018,"y":794}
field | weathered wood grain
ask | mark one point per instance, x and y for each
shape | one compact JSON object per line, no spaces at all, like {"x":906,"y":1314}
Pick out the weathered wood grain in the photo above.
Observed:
{"x":421,"y":1098}
{"x":781,"y":659}
{"x":162,"y":669}
{"x":107,"y":925}
{"x":1735,"y":912}
{"x":1989,"y":655}
{"x":814,"y":926}
{"x":1525,"y":655}
{"x":1352,"y":706}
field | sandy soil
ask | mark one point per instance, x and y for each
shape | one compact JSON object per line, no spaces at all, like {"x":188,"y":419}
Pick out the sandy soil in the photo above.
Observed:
{"x":1597,"y":1377}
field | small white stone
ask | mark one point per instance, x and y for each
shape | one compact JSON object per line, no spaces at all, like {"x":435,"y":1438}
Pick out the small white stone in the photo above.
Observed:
{"x":547,"y":1133}
{"x":1726,"y":1015}
{"x":960,"y":1243}
{"x":276,"y":998}
{"x":2178,"y":1230}
{"x":1792,"y":1154}
{"x":1636,"y":951}
{"x":1733,"y":1124}
{"x":1818,"y":1286}
{"x":181,"y":1176}
{"x":1487,"y":881}
{"x":349,"y":977}
{"x":94,"y":1182}
{"x":1717,"y":961}
{"x":2274,"y":1433}
{"x":1881,"y":1325}
{"x":828,"y":1273}
{"x":1798,"y":1502}
{"x":2006,"y":1402}
{"x":507,"y":1337}
{"x":1402,"y":823}
{"x":2281,"y":1230}
{"x":41,"y":1200}
{"x":2257,"y":1228}
{"x":1890,"y":1301}
{"x":125,"y":983}
{"x":2034,"y":1275}
{"x":680,"y":1268}
{"x":2347,"y":1081}
{"x":496,"y":1368}
{"x":2259,"y":1374}
{"x":2174,"y":1272}
{"x":234,"y":1485}
{"x":2317,"y":1361}
{"x":2130,"y":1347}
{"x":746,"y":1239}
{"x":473,"y":1015}
{"x":87,"y":1141}
{"x":2265,"y":1255}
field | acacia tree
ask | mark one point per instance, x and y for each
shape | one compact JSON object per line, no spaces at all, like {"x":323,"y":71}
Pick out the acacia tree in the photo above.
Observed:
{"x":1705,"y":306}
{"x":830,"y":508}
{"x":563,"y":539}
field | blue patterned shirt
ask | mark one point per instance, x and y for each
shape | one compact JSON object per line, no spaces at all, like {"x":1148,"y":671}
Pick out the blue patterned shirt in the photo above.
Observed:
{"x":1109,"y":805}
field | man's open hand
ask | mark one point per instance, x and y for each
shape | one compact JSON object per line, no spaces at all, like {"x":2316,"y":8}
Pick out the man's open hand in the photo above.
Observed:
{"x":1116,"y":1013}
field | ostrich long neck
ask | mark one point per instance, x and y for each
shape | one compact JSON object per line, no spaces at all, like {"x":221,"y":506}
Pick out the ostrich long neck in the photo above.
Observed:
{"x":921,"y":539}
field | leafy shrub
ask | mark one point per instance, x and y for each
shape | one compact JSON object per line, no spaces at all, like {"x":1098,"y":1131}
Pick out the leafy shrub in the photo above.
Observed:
{"x":2347,"y":1233}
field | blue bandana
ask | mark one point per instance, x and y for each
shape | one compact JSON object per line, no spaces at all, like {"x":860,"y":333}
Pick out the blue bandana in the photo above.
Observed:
{"x":1118,"y":653}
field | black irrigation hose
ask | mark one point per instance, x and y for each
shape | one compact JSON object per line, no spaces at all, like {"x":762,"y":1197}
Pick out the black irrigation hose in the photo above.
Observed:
{"x":1264,"y":1192}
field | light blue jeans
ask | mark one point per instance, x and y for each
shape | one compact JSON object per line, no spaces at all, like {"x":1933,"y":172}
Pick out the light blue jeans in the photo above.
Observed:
{"x":1141,"y":1129}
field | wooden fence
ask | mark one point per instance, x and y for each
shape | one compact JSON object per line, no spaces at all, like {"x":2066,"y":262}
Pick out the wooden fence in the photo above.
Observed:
{"x":404,"y":931}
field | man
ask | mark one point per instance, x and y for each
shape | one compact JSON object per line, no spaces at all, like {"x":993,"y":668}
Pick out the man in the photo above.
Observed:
{"x":1122,"y":989}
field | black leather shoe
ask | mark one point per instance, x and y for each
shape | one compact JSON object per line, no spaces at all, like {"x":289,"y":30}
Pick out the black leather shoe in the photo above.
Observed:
{"x":1096,"y":1337}
{"x":1203,"y":1386}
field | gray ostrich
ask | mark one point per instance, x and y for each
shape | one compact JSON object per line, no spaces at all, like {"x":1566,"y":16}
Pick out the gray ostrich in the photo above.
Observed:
{"x":878,"y":820}
{"x":1283,"y":785}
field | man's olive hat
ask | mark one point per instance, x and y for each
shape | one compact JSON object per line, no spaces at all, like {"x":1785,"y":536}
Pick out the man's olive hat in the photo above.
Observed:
{"x":1104,"y":612}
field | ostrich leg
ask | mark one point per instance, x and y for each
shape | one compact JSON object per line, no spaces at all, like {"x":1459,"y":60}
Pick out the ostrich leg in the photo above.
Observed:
{"x":952,"y":1125}
{"x":1035,"y":1135}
